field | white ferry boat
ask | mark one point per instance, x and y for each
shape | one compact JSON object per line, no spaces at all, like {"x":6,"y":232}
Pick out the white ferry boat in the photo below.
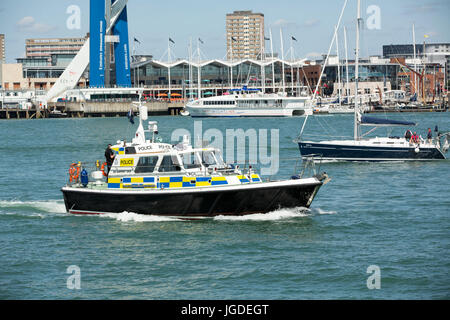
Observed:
{"x":149,"y":177}
{"x":247,"y":103}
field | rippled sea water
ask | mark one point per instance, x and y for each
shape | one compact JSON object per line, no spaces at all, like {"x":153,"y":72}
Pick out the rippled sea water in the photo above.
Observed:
{"x":391,"y":215}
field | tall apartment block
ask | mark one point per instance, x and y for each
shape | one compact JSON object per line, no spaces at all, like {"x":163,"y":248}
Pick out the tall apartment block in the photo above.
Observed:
{"x":2,"y":49}
{"x":44,"y":48}
{"x":245,"y":35}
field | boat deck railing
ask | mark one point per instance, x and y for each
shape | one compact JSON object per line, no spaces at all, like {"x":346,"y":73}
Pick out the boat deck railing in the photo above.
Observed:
{"x":287,"y":168}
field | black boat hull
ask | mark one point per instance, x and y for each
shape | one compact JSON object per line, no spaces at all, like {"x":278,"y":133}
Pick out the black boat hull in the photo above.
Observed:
{"x":193,"y":204}
{"x":367,"y":153}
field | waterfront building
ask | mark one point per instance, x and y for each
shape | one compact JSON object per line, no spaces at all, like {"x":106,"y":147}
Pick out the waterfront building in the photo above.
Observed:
{"x":429,"y":53}
{"x":36,"y":73}
{"x":45,"y":48}
{"x":245,"y":35}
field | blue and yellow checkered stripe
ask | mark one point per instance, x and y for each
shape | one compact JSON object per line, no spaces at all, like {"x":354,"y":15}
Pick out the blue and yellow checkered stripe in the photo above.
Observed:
{"x":174,"y":182}
{"x":132,"y":183}
{"x":245,"y":179}
{"x":119,"y":150}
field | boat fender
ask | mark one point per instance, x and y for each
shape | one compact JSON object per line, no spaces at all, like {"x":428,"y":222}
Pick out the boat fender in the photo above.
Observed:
{"x":103,"y":169}
{"x":84,"y":178}
{"x":417,"y":150}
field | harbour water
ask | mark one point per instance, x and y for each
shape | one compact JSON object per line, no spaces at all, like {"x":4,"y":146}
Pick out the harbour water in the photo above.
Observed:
{"x":391,"y":215}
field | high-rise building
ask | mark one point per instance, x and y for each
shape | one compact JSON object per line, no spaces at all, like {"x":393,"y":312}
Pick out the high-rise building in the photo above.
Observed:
{"x":245,"y":35}
{"x":2,"y":49}
{"x":45,"y":48}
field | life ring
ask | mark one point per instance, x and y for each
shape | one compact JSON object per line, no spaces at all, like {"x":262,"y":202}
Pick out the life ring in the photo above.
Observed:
{"x":103,"y":169}
{"x":74,"y":172}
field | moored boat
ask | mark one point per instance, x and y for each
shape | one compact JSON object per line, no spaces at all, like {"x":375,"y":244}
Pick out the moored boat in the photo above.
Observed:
{"x":361,"y":148}
{"x":250,"y":103}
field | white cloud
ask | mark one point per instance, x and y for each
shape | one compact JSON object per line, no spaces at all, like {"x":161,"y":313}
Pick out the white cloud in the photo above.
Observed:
{"x":282,"y":23}
{"x":310,"y":23}
{"x":29,"y":24}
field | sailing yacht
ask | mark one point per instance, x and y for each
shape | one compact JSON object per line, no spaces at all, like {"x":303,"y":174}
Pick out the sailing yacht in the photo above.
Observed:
{"x":372,"y":149}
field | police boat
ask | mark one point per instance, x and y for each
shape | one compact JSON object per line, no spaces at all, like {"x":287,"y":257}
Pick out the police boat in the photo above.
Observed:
{"x":153,"y":178}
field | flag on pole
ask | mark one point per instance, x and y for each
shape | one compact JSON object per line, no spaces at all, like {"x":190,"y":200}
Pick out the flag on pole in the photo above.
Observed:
{"x":171,"y":41}
{"x":136,"y":40}
{"x":426,"y":36}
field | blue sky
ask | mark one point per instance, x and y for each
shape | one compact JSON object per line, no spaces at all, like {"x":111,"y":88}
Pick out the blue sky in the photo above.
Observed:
{"x":311,"y":22}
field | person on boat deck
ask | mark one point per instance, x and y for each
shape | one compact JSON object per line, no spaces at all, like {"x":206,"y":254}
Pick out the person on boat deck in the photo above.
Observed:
{"x":408,"y":135}
{"x":430,"y":135}
{"x":414,"y":138}
{"x":109,"y":155}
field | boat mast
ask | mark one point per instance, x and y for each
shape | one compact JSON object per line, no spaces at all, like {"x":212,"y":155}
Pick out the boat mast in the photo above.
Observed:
{"x":282,"y":62}
{"x":231,"y":65}
{"x":273,"y":63}
{"x":190,"y":68}
{"x":168,"y":69}
{"x":339,"y":66}
{"x":346,"y":62}
{"x":292,"y":68}
{"x":199,"y":71}
{"x":358,"y":22}
{"x":263,"y":60}
{"x":415,"y":63}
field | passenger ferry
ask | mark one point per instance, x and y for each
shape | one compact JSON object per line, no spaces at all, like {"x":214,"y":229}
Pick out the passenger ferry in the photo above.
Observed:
{"x":154,"y":178}
{"x":250,"y":103}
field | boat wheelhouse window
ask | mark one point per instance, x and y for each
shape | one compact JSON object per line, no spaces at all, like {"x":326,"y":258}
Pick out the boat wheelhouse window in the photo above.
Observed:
{"x":146,"y":164}
{"x":208,"y":158}
{"x":130,"y":150}
{"x":212,"y":158}
{"x":219,"y":158}
{"x":169,"y":164}
{"x":190,"y":161}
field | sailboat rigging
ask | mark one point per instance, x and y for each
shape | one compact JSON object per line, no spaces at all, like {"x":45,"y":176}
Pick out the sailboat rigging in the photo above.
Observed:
{"x":372,"y":149}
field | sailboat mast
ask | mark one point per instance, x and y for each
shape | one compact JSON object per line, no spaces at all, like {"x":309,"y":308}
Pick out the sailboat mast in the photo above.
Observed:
{"x":231,"y":65}
{"x":190,"y":67}
{"x":282,"y":62}
{"x":415,"y":62}
{"x":292,"y":69}
{"x":339,"y":67}
{"x":358,"y":25}
{"x":346,"y":62}
{"x":168,"y":69}
{"x":273,"y":63}
{"x":199,"y":71}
